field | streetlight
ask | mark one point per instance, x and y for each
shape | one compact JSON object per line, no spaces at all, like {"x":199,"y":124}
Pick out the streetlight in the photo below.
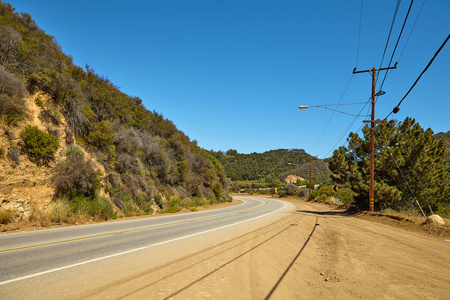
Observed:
{"x":325,"y":106}
{"x":372,"y":159}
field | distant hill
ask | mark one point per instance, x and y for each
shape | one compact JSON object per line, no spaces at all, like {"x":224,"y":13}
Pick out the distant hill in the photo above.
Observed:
{"x":281,"y":163}
{"x":446,"y":137}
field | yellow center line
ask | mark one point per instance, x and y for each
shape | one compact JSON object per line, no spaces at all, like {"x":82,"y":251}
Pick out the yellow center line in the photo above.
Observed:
{"x":130,"y":230}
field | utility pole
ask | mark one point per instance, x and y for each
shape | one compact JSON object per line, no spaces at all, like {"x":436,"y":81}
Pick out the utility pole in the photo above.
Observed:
{"x":310,"y":171}
{"x":372,"y":131}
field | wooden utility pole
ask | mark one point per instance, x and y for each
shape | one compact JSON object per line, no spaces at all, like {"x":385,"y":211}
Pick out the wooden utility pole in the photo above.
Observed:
{"x":310,"y":171}
{"x":372,"y":132}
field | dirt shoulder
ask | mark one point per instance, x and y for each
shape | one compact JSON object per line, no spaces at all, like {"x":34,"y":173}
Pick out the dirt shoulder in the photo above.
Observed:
{"x":313,"y":252}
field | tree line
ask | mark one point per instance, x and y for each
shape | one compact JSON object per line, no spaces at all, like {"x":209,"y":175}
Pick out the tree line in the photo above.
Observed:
{"x":410,"y":166}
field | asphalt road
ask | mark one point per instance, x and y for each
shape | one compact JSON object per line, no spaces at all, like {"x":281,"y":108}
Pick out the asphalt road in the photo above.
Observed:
{"x":30,"y":255}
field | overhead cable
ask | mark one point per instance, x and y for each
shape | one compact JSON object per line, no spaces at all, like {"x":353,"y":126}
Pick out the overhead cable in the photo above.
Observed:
{"x":359,"y":33}
{"x":338,"y":140}
{"x":412,"y":29}
{"x":396,"y":109}
{"x":389,"y":35}
{"x":398,"y":40}
{"x":328,"y":123}
{"x":409,"y":36}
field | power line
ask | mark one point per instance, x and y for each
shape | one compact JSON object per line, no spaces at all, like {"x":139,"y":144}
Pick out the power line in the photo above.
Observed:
{"x":412,"y":29}
{"x":328,"y":123}
{"x":409,"y":36}
{"x":396,"y":109}
{"x":389,"y":35}
{"x":359,"y":32}
{"x":396,"y":44}
{"x":338,"y":140}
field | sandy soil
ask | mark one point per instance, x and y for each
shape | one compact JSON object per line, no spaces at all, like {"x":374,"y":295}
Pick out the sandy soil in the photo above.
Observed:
{"x":313,"y":252}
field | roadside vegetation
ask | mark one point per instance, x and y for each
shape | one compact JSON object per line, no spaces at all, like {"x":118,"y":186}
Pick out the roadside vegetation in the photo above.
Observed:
{"x":146,"y":160}
{"x":410,"y":168}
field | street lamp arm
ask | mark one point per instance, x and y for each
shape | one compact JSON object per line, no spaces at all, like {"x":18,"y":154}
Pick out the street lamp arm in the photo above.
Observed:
{"x":326,"y":107}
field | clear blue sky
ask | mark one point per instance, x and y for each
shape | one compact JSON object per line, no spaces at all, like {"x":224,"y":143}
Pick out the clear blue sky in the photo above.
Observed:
{"x":231,"y":74}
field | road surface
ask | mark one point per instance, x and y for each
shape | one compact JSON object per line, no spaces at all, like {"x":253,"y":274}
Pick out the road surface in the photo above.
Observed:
{"x":45,"y":255}
{"x":302,"y":250}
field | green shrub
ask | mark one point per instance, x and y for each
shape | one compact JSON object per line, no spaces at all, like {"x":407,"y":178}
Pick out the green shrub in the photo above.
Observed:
{"x":39,"y":146}
{"x":344,"y":195}
{"x":144,"y":204}
{"x":104,"y":209}
{"x":98,"y":208}
{"x":75,"y":152}
{"x":159,"y":200}
{"x":175,"y":205}
{"x":61,"y":210}
{"x":217,"y":189}
{"x":39,"y":101}
{"x":129,"y":209}
{"x":101,"y":135}
{"x":444,"y":209}
{"x":198,"y":201}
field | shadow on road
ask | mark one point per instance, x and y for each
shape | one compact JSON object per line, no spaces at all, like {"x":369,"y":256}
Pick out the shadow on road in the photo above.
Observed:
{"x":345,"y":213}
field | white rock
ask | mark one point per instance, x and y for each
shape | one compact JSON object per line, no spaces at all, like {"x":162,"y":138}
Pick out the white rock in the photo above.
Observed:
{"x":435,"y":219}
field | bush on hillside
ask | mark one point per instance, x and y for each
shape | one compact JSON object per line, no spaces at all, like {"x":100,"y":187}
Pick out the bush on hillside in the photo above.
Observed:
{"x":75,"y":176}
{"x":11,"y":85}
{"x":39,"y":146}
{"x":12,"y":109}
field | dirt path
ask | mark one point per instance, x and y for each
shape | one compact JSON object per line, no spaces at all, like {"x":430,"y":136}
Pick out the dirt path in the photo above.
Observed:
{"x":312,"y":252}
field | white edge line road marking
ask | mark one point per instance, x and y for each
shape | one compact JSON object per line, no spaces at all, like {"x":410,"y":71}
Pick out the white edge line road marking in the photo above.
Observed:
{"x":134,"y":250}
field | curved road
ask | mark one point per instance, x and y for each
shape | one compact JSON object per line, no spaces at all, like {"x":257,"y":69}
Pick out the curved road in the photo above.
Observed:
{"x":35,"y":254}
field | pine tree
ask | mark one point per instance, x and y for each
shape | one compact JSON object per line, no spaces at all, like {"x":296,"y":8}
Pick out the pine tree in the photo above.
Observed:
{"x":409,"y":162}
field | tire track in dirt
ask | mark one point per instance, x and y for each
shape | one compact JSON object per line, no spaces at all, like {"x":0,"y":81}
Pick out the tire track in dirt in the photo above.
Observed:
{"x":295,"y":258}
{"x":230,"y":245}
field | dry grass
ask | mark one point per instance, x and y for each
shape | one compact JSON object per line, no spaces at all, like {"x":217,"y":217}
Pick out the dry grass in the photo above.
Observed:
{"x":6,"y":216}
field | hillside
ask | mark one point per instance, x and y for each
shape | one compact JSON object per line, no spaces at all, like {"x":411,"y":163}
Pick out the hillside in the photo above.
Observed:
{"x":70,"y":140}
{"x":281,"y":163}
{"x":444,"y":136}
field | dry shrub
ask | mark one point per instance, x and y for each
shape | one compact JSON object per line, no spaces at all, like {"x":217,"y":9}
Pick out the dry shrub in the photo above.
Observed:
{"x":2,"y":152}
{"x":6,"y":216}
{"x":12,"y":109}
{"x":129,"y":140}
{"x":74,"y":111}
{"x":51,"y":115}
{"x":75,"y":176}
{"x":11,"y":85}
{"x":14,"y":155}
{"x":61,"y":210}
